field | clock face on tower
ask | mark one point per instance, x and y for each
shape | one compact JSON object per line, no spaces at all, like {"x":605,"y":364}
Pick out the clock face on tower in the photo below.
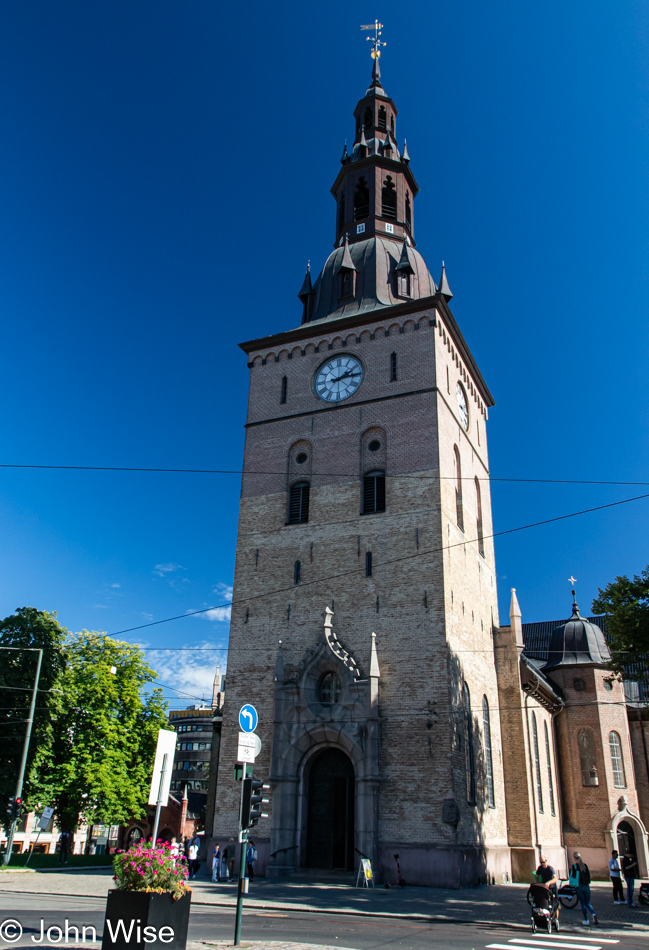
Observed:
{"x":462,"y":405}
{"x":339,"y":378}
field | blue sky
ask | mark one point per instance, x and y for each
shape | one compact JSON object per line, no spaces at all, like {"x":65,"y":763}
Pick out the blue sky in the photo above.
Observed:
{"x":164,"y":177}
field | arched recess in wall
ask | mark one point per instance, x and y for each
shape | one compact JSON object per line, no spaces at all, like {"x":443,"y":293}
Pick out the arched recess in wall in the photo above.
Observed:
{"x":459,"y":508}
{"x":300,"y":467}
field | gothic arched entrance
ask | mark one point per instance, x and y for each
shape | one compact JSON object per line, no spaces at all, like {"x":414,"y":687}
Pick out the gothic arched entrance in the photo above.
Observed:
{"x":330,"y":812}
{"x":626,"y":839}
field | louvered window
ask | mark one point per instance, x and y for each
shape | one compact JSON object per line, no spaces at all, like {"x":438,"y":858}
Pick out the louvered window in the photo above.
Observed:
{"x":298,"y":503}
{"x":382,"y":119}
{"x":389,"y":199}
{"x":373,"y":493}
{"x":361,"y":200}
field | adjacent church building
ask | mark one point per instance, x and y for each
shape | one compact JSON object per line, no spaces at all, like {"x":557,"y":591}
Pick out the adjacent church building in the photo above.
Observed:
{"x":396,"y":714}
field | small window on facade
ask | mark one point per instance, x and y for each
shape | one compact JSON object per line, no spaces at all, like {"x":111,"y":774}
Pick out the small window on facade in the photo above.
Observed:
{"x":459,"y":510}
{"x":587,"y":760}
{"x":537,"y":763}
{"x":361,"y":200}
{"x":468,"y":744}
{"x":298,"y":503}
{"x":282,"y":397}
{"x":374,"y":445}
{"x":383,"y":124}
{"x":547,"y":755}
{"x":297,"y":571}
{"x":301,"y":458}
{"x":479,"y":517}
{"x":393,"y":367}
{"x":491,"y":798}
{"x":373,"y":493}
{"x":619,"y":779}
{"x":389,"y":199}
{"x":346,"y":283}
{"x":408,"y":212}
{"x":368,"y":564}
{"x":404,"y":284}
{"x":329,"y":689}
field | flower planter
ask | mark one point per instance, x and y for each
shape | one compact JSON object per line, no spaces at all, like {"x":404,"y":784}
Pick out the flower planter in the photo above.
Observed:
{"x":141,"y":920}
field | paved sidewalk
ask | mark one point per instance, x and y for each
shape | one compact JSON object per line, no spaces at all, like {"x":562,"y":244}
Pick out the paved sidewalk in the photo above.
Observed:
{"x":486,"y":904}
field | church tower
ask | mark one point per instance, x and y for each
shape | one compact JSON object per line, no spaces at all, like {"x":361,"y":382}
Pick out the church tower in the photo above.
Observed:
{"x":364,"y":590}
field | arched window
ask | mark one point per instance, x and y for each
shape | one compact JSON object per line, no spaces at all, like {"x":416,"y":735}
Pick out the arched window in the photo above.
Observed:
{"x":459,"y":511}
{"x":479,"y":517}
{"x":469,"y":751}
{"x":403,"y":283}
{"x":368,"y":119}
{"x":547,"y":755}
{"x":537,"y":763}
{"x":382,"y":119}
{"x":329,"y":689}
{"x":361,"y":200}
{"x":346,"y":282}
{"x":393,"y":367}
{"x":491,"y":798}
{"x":617,"y":761}
{"x":368,"y":564}
{"x":373,"y":493}
{"x":408,"y":212}
{"x":389,"y":199}
{"x":587,"y":759}
{"x":298,"y":503}
{"x":282,"y":397}
{"x":297,"y":573}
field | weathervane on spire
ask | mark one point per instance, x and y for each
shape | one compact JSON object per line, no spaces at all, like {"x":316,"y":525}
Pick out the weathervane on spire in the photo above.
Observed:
{"x":376,"y":40}
{"x":573,"y":581}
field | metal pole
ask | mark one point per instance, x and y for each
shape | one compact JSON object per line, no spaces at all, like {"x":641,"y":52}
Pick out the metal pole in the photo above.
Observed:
{"x":243,"y":839}
{"x":23,"y":761}
{"x":33,"y":847}
{"x":163,"y":772}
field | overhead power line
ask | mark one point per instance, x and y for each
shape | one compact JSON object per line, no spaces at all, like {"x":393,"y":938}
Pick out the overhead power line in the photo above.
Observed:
{"x":405,"y":557}
{"x":238,"y":471}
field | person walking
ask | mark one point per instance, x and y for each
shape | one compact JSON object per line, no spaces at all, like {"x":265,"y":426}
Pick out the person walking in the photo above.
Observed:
{"x":629,"y":869}
{"x":251,"y":857}
{"x":616,"y":878}
{"x":216,"y":863}
{"x":193,"y":847}
{"x":580,"y":879}
{"x":64,"y":844}
{"x":230,"y":854}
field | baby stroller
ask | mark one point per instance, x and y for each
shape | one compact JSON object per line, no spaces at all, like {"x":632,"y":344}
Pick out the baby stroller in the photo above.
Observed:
{"x":545,"y":907}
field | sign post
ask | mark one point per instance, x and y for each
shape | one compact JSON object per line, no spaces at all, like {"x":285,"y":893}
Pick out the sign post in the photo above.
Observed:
{"x":161,"y":778}
{"x":247,"y":749}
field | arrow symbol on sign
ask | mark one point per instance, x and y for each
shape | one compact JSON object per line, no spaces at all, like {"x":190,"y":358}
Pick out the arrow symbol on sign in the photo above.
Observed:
{"x":248,"y":714}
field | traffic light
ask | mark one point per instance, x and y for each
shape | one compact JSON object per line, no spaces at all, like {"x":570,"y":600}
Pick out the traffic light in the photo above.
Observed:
{"x":14,"y":809}
{"x":251,"y":802}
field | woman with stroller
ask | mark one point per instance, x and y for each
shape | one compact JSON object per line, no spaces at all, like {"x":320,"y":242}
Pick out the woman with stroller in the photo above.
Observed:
{"x":580,"y":879}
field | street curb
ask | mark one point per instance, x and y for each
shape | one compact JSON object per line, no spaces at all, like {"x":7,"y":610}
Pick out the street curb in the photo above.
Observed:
{"x":425,"y":918}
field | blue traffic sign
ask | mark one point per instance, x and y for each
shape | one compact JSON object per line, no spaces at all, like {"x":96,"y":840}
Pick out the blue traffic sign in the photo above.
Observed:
{"x":248,"y":718}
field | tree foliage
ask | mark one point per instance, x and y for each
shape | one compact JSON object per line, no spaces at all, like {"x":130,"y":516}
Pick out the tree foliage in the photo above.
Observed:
{"x":625,"y":603}
{"x":93,"y":752}
{"x":28,"y":629}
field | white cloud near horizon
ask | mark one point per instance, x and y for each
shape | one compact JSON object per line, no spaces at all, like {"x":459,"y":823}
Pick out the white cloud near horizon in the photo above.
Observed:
{"x":189,"y":672}
{"x":219,"y":614}
{"x":170,"y":568}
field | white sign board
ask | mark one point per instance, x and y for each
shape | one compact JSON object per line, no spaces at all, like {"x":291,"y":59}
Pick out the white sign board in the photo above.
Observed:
{"x":45,"y":819}
{"x":247,"y":748}
{"x":166,"y":746}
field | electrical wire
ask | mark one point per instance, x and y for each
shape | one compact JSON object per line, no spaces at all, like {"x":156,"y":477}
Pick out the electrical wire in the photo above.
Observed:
{"x":226,"y":471}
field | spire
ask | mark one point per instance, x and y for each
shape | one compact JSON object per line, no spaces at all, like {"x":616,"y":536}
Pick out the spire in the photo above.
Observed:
{"x":279,"y":665}
{"x":404,"y":156}
{"x":345,"y":155}
{"x":406,"y":263}
{"x":216,"y":688}
{"x":444,"y":288}
{"x":347,"y":262}
{"x":376,"y":74}
{"x":374,"y":660}
{"x":515,"y":620}
{"x":307,"y":286}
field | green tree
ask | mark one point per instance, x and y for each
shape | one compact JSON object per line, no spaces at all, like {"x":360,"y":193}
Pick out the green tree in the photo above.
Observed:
{"x":107,"y":726}
{"x":28,"y":629}
{"x":625,"y":603}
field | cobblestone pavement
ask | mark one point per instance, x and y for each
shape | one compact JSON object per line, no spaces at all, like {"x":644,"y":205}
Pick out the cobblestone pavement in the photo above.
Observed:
{"x":488,"y":904}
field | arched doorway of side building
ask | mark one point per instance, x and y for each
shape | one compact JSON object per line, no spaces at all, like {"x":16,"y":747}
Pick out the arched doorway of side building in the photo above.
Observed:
{"x":330,"y":812}
{"x":626,"y":839}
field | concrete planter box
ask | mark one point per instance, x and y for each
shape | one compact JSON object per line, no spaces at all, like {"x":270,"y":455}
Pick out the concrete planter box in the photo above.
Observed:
{"x":128,"y":913}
